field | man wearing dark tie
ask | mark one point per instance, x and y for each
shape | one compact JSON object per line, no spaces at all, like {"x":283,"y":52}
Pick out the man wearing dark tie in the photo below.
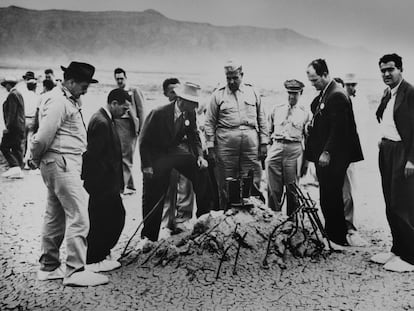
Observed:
{"x":170,"y":139}
{"x":102,"y":173}
{"x":332,"y":144}
{"x":396,"y":162}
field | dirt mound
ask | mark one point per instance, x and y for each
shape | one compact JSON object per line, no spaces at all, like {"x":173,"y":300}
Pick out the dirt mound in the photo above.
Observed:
{"x":238,"y":236}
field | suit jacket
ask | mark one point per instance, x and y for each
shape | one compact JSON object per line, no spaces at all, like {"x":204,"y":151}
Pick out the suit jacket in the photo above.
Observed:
{"x":136,"y":112}
{"x":334,"y":128}
{"x":403,"y":116}
{"x":102,"y":161}
{"x":158,"y":135}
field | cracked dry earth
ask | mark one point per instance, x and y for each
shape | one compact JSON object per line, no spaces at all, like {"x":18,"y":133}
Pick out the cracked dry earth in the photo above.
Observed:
{"x":340,"y":281}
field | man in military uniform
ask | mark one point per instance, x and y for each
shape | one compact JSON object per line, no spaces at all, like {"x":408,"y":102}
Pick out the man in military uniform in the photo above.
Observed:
{"x":287,"y":123}
{"x":236,"y":129}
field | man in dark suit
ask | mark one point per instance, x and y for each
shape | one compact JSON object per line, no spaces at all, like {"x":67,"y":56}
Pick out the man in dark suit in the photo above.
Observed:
{"x":396,"y":162}
{"x":332,"y":144}
{"x":170,"y":139}
{"x":102,"y":173}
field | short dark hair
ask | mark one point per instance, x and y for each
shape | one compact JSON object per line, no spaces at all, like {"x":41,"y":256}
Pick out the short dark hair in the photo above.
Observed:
{"x":120,"y":95}
{"x":119,"y":70}
{"x":47,"y":71}
{"x":168,"y":82}
{"x":320,"y":66}
{"x":340,"y":81}
{"x":48,"y":84}
{"x":397,"y":59}
{"x":31,"y":86}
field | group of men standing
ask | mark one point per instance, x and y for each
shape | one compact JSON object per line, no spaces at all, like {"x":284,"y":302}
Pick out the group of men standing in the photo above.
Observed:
{"x":75,"y":160}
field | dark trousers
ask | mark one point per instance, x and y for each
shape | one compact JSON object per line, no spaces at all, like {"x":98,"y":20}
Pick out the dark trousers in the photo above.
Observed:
{"x":399,"y":198}
{"x":107,"y":219}
{"x":331,"y":181}
{"x":154,"y":188}
{"x":12,"y":148}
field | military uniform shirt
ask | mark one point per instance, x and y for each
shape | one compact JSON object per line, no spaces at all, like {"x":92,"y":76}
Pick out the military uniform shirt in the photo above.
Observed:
{"x":288,"y":123}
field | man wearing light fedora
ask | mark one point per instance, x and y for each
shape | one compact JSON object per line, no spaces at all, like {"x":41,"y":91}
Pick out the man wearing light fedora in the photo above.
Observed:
{"x":170,"y":139}
{"x":13,"y":136}
{"x":57,"y":148}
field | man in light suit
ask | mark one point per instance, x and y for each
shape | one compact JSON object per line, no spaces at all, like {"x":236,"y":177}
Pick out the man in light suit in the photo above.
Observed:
{"x":128,"y":126}
{"x":332,"y":144}
{"x":396,"y":162}
{"x":170,"y":140}
{"x":103,"y":179}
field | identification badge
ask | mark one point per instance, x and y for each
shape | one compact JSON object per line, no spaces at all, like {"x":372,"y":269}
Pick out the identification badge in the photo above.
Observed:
{"x":186,"y":123}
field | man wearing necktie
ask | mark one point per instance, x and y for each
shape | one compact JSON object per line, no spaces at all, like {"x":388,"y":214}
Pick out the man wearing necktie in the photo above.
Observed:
{"x":286,"y":129}
{"x":396,"y":162}
{"x":236,"y":130}
{"x":332,"y":144}
{"x":170,"y":140}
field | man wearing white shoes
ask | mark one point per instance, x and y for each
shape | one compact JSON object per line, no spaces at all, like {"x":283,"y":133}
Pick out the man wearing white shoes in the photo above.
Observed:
{"x":104,"y":181}
{"x":396,"y":162}
{"x":13,"y":136}
{"x":57,"y":147}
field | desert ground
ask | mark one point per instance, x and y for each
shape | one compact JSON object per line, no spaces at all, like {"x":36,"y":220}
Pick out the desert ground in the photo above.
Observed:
{"x":340,"y":281}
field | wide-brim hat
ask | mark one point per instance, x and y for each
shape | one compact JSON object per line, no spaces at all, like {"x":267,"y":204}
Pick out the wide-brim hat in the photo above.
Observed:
{"x":81,"y":71}
{"x":29,"y":75}
{"x":350,"y":78}
{"x":189,"y":91}
{"x":6,"y":80}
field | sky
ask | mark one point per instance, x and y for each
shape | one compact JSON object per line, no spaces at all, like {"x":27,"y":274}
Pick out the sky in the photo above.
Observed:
{"x":378,"y":25}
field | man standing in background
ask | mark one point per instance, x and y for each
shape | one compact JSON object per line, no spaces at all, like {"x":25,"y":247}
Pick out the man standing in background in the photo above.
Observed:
{"x":129,"y":126}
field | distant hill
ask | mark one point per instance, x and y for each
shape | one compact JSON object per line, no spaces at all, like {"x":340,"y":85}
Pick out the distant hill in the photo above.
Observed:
{"x":147,"y":40}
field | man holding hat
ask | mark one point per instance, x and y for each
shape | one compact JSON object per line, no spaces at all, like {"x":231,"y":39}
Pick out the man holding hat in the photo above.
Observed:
{"x":13,"y":136}
{"x":57,"y":147}
{"x":170,"y":140}
{"x":287,"y":124}
{"x":236,"y":130}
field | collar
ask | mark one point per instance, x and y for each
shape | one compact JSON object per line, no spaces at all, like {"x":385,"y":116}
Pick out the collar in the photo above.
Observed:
{"x":107,"y":112}
{"x":395,"y":88}
{"x":69,"y":95}
{"x":326,"y":87}
{"x":240,"y":89}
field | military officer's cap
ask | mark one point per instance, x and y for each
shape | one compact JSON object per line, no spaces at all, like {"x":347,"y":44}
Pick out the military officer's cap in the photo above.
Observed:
{"x":294,"y":86}
{"x":232,"y":66}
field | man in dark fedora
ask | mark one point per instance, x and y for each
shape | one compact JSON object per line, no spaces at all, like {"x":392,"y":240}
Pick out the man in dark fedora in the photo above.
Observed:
{"x":170,"y":140}
{"x":13,"y":136}
{"x":102,"y":173}
{"x":57,"y":148}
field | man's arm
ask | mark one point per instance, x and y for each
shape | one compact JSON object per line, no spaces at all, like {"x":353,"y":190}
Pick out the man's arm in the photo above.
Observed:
{"x":53,"y":115}
{"x":261,"y":122}
{"x":338,"y":119}
{"x":11,"y":117}
{"x":97,"y":139}
{"x":139,"y":104}
{"x":145,"y":141}
{"x":211,"y":120}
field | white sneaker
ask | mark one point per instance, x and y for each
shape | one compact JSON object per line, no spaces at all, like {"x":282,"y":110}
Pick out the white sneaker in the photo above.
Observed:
{"x":382,"y":258}
{"x":396,"y":264}
{"x":18,"y":174}
{"x":333,"y":246}
{"x":85,"y":278}
{"x":354,"y":239}
{"x":58,"y":273}
{"x":11,"y":171}
{"x":103,"y":266}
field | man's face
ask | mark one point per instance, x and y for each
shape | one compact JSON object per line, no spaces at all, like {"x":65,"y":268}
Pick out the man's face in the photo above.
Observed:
{"x":49,"y":76}
{"x":186,"y":105}
{"x":234,"y":80}
{"x":351,"y":88}
{"x":391,"y":75}
{"x":77,"y":88}
{"x":8,"y":87}
{"x":170,"y":93}
{"x":293,"y":98}
{"x":120,"y":79}
{"x":319,"y":82}
{"x":118,"y":109}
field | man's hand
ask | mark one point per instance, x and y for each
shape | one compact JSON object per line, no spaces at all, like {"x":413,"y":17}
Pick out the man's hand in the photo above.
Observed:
{"x":148,"y":172}
{"x":263,"y":151}
{"x":324,"y":159}
{"x":409,"y":169}
{"x":211,"y":154}
{"x":202,"y":163}
{"x":304,"y":168}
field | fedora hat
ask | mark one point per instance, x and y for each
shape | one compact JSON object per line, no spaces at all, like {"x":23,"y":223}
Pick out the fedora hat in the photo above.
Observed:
{"x":189,"y":91}
{"x":80,"y":71}
{"x":11,"y":80}
{"x":29,"y":76}
{"x":350,"y":78}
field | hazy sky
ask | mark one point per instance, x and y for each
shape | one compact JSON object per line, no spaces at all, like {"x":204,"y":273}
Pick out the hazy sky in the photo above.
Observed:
{"x":379,"y":25}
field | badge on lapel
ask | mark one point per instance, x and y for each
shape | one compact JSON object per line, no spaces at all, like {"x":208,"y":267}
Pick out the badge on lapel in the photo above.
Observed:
{"x":187,"y":122}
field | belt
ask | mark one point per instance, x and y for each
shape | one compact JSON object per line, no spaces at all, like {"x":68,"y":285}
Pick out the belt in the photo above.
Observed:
{"x":29,"y":117}
{"x":285,"y":141}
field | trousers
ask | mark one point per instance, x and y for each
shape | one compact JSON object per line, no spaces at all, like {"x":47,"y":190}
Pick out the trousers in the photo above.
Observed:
{"x":12,"y":148}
